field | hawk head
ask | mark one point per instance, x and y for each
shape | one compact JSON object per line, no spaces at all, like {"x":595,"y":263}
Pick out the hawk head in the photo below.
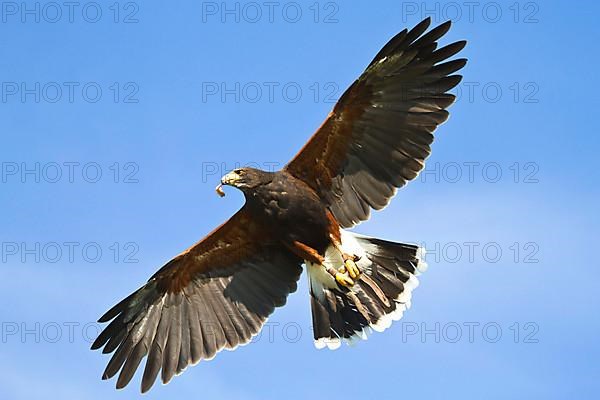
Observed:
{"x":244,"y":179}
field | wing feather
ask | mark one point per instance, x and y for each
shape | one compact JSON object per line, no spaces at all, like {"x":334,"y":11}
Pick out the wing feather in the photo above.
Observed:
{"x":215,"y":295}
{"x":380,"y":131}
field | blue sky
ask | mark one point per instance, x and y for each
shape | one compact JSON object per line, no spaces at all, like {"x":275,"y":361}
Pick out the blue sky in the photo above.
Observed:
{"x":115,"y":132}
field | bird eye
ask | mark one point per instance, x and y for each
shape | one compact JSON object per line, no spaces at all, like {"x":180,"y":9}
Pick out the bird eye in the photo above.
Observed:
{"x":238,"y":171}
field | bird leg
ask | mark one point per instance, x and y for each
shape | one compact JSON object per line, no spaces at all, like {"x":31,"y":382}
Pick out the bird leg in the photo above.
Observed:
{"x":309,"y":254}
{"x":350,"y":260}
{"x":305,"y":252}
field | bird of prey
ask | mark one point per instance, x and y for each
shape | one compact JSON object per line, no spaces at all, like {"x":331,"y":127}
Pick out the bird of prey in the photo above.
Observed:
{"x":218,"y":293}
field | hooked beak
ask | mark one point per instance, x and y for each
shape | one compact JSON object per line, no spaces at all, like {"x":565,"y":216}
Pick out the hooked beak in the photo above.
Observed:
{"x":230,"y":179}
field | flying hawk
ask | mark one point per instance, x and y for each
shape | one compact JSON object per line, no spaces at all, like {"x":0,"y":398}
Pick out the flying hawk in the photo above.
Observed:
{"x":218,"y":293}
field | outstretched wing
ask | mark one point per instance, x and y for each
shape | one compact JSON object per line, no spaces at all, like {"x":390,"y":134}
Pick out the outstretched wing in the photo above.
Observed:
{"x":215,"y":295}
{"x":380,"y":131}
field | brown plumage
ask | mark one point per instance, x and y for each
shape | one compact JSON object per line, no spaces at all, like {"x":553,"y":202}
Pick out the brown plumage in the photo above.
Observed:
{"x":219,"y":292}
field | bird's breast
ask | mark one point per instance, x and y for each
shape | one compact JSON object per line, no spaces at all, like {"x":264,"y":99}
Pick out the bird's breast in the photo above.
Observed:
{"x":293,"y":213}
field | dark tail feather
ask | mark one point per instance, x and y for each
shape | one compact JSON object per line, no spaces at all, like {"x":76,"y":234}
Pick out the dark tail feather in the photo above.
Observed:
{"x":380,"y":296}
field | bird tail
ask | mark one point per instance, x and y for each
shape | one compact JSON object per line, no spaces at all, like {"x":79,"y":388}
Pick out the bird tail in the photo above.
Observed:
{"x":380,"y":296}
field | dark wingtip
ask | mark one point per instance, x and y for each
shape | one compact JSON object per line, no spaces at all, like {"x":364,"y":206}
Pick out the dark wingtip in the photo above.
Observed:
{"x":461,"y":62}
{"x":423,"y":24}
{"x":145,"y":387}
{"x":99,"y":342}
{"x":454,"y":80}
{"x":104,"y":318}
{"x":445,"y":26}
{"x":110,"y":314}
{"x":95,"y":345}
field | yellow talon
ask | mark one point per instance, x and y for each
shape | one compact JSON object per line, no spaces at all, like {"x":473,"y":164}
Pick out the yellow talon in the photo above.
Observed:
{"x":352,"y":269}
{"x":344,"y":280}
